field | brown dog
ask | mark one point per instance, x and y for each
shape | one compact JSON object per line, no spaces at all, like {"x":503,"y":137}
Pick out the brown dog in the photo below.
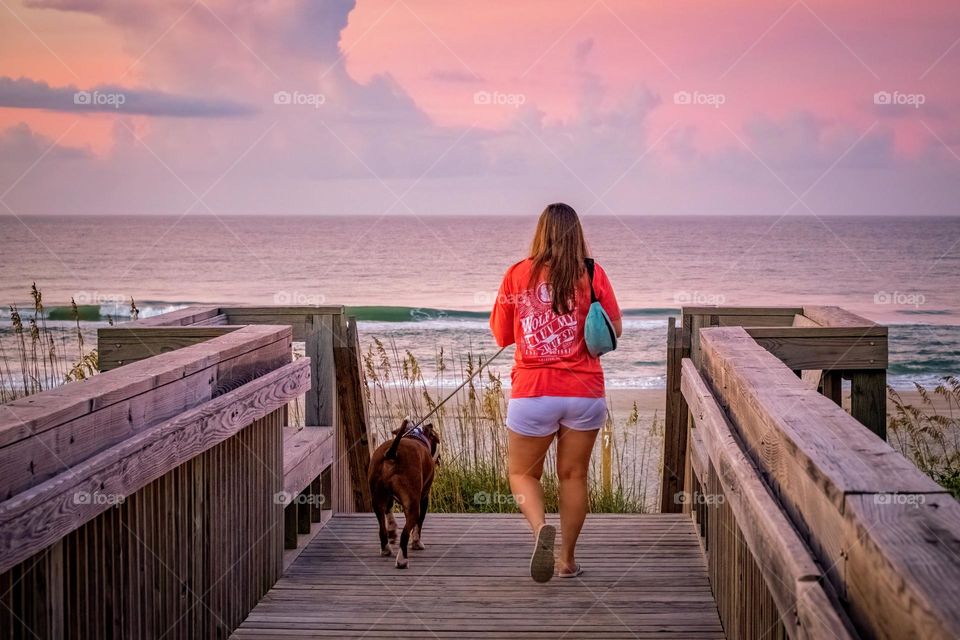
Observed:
{"x":402,"y":470}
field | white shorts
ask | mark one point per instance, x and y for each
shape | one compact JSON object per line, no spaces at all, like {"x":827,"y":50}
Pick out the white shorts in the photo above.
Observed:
{"x":543,"y":415}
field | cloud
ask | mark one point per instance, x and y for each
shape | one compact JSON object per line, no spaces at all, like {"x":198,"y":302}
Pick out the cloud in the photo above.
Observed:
{"x":24,"y":93}
{"x":19,"y":145}
{"x":455,"y":76}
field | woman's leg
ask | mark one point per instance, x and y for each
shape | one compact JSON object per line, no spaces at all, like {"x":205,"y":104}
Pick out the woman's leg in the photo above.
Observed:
{"x":573,"y":459}
{"x":525,"y":455}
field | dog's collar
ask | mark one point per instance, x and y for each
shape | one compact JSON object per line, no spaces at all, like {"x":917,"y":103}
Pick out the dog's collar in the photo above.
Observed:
{"x":419,"y":435}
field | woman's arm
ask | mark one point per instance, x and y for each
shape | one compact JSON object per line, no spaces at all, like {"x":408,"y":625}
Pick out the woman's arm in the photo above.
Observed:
{"x":502,"y":315}
{"x":618,"y":326}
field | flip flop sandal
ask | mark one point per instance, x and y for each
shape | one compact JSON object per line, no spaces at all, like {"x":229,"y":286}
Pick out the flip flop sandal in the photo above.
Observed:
{"x":542,"y":560}
{"x":573,"y":574}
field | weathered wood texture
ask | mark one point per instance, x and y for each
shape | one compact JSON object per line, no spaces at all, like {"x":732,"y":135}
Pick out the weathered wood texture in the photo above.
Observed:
{"x":163,"y":517}
{"x":42,"y":514}
{"x":46,"y":434}
{"x":675,"y":422}
{"x":644,"y":577}
{"x":313,"y":325}
{"x":307,"y":453}
{"x":761,"y":571}
{"x":126,"y":343}
{"x":824,"y":344}
{"x":186,"y":556}
{"x":353,"y":446}
{"x":844,"y":490}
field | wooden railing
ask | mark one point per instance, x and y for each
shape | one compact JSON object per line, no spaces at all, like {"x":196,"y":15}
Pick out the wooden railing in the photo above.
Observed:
{"x":823,"y":345}
{"x":145,"y":501}
{"x":813,"y":526}
{"x":158,"y":497}
{"x":334,"y":406}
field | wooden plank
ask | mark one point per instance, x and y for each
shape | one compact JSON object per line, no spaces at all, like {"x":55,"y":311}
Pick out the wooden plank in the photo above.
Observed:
{"x":117,"y":346}
{"x":177,"y":318}
{"x":903,"y":568}
{"x":808,"y":348}
{"x":675,"y":423}
{"x":742,"y":311}
{"x":819,"y":333}
{"x":782,"y":557}
{"x":298,"y":318}
{"x":43,"y":514}
{"x":779,"y":320}
{"x":830,"y":316}
{"x":355,"y":445}
{"x":39,"y":445}
{"x":306,"y":453}
{"x":25,"y":417}
{"x":769,"y":405}
{"x":280,"y":310}
{"x":217,"y":320}
{"x":820,"y":462}
{"x":473,"y":581}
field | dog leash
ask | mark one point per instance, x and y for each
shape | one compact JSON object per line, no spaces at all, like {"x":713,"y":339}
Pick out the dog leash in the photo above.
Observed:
{"x":457,"y":390}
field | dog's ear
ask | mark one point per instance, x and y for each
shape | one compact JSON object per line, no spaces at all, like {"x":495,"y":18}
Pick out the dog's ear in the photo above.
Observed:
{"x":431,"y":432}
{"x":403,"y":426}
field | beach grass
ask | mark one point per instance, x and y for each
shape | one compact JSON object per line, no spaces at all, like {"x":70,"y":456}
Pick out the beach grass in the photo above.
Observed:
{"x":928,"y":432}
{"x":472,"y":475}
{"x":43,"y":357}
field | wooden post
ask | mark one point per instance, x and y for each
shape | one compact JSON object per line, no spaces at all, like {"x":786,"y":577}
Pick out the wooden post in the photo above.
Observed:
{"x":831,"y":386}
{"x":353,"y":455}
{"x":304,"y":508}
{"x":319,"y":500}
{"x":868,"y":399}
{"x":675,"y":422}
{"x":320,"y":402}
{"x":290,"y":524}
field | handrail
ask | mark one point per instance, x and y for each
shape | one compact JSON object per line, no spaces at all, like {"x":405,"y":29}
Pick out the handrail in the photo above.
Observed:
{"x":161,"y":478}
{"x":43,"y":514}
{"x":790,"y":574}
{"x":884,"y":534}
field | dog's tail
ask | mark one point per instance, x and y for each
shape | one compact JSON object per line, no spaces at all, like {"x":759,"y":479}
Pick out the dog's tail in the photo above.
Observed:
{"x":392,"y":451}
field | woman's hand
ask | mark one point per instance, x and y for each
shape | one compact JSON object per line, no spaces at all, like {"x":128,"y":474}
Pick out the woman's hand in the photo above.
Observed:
{"x":618,"y":326}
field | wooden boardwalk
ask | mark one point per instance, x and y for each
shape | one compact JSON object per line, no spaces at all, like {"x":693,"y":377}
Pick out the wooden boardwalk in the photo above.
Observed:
{"x":645,"y":575}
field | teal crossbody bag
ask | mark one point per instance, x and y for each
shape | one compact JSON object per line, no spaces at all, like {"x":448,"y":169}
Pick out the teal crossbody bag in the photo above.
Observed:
{"x":598,"y":330}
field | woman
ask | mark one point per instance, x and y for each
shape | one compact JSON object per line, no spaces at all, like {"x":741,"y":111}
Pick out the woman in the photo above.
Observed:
{"x":557,"y":388}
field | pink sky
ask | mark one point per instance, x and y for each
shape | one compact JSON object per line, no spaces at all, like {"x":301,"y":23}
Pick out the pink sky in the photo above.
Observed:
{"x":431,"y":107}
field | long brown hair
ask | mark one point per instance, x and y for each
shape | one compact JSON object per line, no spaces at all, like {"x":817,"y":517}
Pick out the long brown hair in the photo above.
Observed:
{"x":560,"y":248}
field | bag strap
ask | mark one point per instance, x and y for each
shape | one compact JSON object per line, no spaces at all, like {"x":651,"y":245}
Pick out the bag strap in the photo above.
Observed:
{"x":589,"y":264}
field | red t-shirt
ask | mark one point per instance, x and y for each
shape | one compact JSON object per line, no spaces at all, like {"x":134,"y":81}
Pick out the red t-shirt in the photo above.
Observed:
{"x":551,"y":357}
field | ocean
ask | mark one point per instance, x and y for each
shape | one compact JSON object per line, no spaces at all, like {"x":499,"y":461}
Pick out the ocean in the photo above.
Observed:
{"x":427,"y":283}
